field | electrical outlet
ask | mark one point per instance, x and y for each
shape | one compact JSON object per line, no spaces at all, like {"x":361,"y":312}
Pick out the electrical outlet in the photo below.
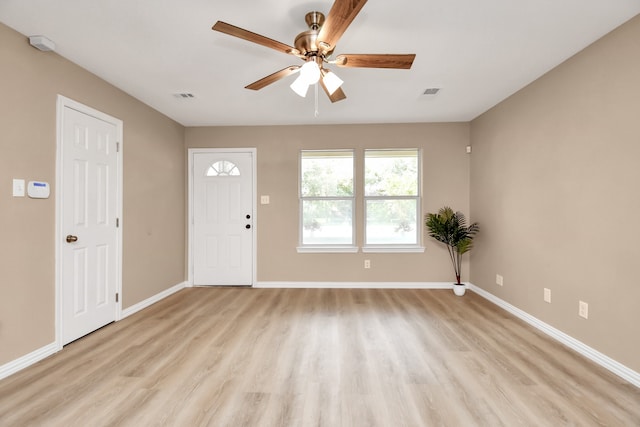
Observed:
{"x":547,"y":295}
{"x":367,"y":263}
{"x":264,"y":200}
{"x":583,"y":310}
{"x":499,"y":280}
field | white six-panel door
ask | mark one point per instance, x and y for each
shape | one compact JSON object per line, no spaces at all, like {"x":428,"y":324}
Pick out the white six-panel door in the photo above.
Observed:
{"x":222,"y":228}
{"x":88,"y":224}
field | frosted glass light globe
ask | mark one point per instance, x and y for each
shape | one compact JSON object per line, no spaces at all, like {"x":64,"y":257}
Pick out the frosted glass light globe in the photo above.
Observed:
{"x":310,"y":72}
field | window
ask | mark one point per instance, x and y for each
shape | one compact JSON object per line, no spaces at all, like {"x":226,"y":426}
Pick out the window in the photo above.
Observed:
{"x":391,"y":201}
{"x":392,"y":197}
{"x":223,"y":168}
{"x":327,"y":199}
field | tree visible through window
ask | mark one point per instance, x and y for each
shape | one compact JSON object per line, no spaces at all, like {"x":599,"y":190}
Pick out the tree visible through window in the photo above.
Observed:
{"x":326,"y":197}
{"x":391,"y":199}
{"x":392,"y":196}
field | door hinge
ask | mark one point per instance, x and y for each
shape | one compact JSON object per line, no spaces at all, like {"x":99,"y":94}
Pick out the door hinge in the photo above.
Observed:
{"x":117,"y":147}
{"x":117,"y":296}
{"x":117,"y":222}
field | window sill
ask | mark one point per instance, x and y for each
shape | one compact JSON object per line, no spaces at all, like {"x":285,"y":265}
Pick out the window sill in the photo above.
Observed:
{"x":327,"y":249}
{"x":392,"y":249}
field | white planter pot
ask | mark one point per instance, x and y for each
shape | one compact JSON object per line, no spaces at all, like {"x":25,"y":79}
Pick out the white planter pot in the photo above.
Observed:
{"x":459,"y":290}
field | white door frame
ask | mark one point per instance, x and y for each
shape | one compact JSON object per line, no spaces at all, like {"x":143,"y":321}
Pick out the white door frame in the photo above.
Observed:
{"x":254,"y":189}
{"x":62,"y":103}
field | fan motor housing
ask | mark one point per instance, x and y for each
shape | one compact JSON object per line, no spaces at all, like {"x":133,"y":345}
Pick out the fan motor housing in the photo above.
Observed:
{"x":306,"y":42}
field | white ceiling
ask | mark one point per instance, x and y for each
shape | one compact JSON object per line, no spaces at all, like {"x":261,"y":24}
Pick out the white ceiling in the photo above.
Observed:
{"x":478,"y":52}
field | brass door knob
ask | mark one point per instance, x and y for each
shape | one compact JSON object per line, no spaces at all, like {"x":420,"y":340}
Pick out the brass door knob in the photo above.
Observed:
{"x":71,"y":239}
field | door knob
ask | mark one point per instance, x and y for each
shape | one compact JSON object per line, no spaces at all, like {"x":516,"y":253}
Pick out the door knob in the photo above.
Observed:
{"x":248,"y":216}
{"x":247,"y":226}
{"x":71,"y":239}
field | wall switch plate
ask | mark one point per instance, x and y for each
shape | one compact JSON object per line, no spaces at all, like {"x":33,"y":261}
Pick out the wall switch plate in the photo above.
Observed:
{"x":547,"y":295}
{"x":499,"y":280}
{"x":18,"y":188}
{"x":367,"y":263}
{"x":583,"y":310}
{"x":264,"y":200}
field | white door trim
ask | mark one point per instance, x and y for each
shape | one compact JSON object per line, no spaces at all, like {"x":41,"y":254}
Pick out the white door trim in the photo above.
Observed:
{"x":62,"y":103}
{"x":190,"y":154}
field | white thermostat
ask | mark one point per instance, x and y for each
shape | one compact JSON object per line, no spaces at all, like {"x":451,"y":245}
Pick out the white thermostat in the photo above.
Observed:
{"x":38,"y":190}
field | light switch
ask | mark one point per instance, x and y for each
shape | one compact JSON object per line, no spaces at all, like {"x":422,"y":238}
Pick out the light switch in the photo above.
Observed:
{"x":18,"y":188}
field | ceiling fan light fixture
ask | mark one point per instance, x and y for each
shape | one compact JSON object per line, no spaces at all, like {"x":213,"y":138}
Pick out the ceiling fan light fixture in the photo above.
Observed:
{"x":300,"y":86}
{"x":331,"y":81}
{"x":315,"y":46}
{"x":310,"y":72}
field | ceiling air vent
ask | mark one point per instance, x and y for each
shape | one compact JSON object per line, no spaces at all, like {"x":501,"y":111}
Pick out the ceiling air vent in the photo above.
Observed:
{"x":431,"y":91}
{"x":185,"y":95}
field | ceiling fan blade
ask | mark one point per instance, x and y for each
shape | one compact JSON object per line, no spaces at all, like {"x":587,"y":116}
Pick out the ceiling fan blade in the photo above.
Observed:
{"x":232,"y":30}
{"x":375,"y":61}
{"x":336,"y":96}
{"x":342,"y":13}
{"x":272,"y":78}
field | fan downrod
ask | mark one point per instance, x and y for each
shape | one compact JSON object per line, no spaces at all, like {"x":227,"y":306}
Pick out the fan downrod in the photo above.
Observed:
{"x":314,"y":20}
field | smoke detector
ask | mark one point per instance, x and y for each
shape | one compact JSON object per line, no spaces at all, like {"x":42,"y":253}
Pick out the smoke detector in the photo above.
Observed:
{"x":42,"y":43}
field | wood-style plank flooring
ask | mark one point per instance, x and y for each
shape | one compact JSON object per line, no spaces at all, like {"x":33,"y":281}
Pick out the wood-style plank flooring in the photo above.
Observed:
{"x":317,"y":357}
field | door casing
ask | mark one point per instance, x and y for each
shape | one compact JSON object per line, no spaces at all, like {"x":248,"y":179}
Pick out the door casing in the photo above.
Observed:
{"x":190,"y":154}
{"x":62,"y":103}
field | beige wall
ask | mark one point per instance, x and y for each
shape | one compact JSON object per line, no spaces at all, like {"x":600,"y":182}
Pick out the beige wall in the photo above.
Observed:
{"x":154,"y":180}
{"x":446,"y":181}
{"x":555,"y":186}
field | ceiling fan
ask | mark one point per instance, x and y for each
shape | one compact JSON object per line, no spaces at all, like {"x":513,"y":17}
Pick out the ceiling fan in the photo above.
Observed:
{"x":315,"y":47}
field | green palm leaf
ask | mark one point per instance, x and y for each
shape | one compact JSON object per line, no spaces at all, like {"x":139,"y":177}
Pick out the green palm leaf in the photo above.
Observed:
{"x":451,"y":228}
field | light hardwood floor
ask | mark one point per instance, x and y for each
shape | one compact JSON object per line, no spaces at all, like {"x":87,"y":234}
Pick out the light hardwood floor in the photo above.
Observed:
{"x":317,"y":357}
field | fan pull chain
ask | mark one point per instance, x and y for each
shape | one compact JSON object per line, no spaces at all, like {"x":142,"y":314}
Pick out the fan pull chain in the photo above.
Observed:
{"x":317,"y":112}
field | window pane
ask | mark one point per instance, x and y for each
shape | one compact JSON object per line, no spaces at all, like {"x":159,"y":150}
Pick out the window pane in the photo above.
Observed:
{"x":327,"y":222}
{"x":223,"y":168}
{"x":326,"y":174}
{"x":391,"y":222}
{"x":391,"y":172}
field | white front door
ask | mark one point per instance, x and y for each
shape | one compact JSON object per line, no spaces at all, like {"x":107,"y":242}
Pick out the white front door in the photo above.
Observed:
{"x":223,"y":210}
{"x":88,"y":231}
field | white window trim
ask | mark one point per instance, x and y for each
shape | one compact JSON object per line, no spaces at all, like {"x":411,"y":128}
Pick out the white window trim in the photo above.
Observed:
{"x":316,"y":249}
{"x":381,"y":249}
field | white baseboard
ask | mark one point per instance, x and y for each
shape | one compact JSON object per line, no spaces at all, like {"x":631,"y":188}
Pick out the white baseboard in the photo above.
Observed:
{"x":151,"y":300}
{"x":356,"y":285}
{"x":48,"y":350}
{"x":605,"y":361}
{"x":28,"y":360}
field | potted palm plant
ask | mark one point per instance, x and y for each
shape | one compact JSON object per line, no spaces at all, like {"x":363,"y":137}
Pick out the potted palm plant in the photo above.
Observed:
{"x":451,"y":228}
